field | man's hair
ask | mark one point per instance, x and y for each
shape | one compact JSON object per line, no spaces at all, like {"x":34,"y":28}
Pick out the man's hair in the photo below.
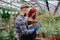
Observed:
{"x":24,"y":6}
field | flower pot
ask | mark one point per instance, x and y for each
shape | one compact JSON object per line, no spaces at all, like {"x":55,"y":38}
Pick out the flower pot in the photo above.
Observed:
{"x":43,"y":35}
{"x":50,"y":37}
{"x":37,"y":38}
{"x":54,"y":37}
{"x":46,"y":35}
{"x":40,"y":36}
{"x":58,"y":38}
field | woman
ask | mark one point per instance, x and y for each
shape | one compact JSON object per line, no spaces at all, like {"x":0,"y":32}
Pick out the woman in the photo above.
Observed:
{"x":31,"y":17}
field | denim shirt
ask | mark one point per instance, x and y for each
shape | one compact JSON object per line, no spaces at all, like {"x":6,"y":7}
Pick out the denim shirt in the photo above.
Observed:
{"x":20,"y":26}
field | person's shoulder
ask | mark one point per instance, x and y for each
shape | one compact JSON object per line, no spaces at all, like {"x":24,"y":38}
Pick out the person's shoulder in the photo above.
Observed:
{"x":18,"y":17}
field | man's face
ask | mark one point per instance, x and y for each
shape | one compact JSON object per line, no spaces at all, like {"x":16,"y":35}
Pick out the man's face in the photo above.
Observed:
{"x":24,"y":11}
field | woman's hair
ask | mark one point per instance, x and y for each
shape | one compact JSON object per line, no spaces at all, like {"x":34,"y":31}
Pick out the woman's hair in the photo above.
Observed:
{"x":31,"y":12}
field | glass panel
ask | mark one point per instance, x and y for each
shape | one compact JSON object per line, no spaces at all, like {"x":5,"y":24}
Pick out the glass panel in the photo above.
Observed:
{"x":52,"y":5}
{"x":7,"y":1}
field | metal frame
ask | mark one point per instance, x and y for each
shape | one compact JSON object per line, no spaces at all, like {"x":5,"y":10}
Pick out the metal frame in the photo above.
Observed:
{"x":29,"y":3}
{"x":57,"y":8}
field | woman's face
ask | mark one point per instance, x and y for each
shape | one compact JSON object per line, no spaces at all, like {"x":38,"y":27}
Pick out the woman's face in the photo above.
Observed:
{"x":33,"y":14}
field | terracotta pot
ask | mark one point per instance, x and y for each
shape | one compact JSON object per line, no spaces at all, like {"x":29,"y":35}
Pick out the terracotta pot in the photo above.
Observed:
{"x":40,"y":36}
{"x":50,"y":37}
{"x":58,"y":38}
{"x":43,"y":35}
{"x":54,"y":37}
{"x":37,"y":38}
{"x":46,"y":35}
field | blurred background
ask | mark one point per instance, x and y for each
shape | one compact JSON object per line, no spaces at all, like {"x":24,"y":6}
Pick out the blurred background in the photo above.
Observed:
{"x":48,"y":15}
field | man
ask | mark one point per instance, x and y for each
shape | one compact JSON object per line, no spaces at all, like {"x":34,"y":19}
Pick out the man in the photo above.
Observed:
{"x":21,"y":25}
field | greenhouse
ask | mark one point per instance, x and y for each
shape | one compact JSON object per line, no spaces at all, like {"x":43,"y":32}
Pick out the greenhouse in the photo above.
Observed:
{"x":47,"y":13}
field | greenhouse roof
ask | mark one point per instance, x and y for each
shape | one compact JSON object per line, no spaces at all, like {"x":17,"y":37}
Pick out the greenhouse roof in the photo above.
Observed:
{"x":39,"y":4}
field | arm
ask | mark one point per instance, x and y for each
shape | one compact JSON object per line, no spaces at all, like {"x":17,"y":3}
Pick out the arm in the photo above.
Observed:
{"x":23,"y":27}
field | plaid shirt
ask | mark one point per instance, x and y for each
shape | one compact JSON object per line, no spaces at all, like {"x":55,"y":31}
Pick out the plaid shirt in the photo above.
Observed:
{"x":20,"y":26}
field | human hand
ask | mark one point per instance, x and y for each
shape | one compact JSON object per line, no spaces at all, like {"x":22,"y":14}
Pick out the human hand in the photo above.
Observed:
{"x":29,"y":26}
{"x":35,"y":24}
